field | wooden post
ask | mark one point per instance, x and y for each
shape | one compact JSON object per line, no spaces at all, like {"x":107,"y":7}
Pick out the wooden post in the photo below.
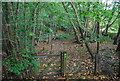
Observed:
{"x":65,"y":58}
{"x":63,"y":62}
{"x":61,"y":71}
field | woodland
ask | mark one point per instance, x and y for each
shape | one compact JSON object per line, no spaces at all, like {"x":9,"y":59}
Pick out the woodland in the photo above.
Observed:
{"x":61,"y":40}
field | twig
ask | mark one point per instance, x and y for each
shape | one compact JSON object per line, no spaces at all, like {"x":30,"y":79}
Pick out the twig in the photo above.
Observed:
{"x":9,"y":40}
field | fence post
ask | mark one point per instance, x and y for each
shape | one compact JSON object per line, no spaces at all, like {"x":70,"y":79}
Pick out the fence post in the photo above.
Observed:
{"x":63,"y":62}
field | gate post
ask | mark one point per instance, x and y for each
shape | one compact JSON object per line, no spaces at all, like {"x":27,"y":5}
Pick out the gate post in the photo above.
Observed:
{"x":63,"y":62}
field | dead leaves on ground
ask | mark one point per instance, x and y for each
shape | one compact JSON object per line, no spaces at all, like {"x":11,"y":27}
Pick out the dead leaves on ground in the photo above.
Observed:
{"x":86,"y":76}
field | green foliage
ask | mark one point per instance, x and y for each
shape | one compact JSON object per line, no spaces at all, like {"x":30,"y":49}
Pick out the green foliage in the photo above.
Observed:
{"x":18,"y":65}
{"x":109,"y":53}
{"x":43,"y":37}
{"x":62,"y":36}
{"x":115,"y":64}
{"x":29,"y":21}
{"x":98,"y":38}
{"x":21,"y":57}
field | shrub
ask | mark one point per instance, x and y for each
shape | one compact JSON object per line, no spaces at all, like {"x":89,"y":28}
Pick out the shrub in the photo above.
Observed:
{"x":62,"y":36}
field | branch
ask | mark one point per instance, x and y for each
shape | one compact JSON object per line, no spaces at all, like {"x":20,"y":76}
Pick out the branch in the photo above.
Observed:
{"x":114,"y":20}
{"x":81,"y":32}
{"x":9,"y":40}
{"x":74,"y":27}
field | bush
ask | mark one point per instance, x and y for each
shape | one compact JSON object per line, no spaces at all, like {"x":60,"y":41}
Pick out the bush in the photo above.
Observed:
{"x":62,"y":36}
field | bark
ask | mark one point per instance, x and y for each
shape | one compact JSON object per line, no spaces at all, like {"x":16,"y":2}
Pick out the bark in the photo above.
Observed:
{"x":118,"y":47}
{"x":116,"y":38}
{"x":97,"y":52}
{"x":7,"y":18}
{"x":6,"y":30}
{"x":118,"y":52}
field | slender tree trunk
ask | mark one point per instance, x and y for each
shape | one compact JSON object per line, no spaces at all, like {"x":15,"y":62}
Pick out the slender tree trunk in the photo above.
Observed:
{"x":118,"y":47}
{"x":86,"y":25}
{"x":74,"y":27}
{"x":109,"y":22}
{"x":97,"y":52}
{"x":109,"y":25}
{"x":81,"y":30}
{"x":116,"y":38}
{"x":7,"y":29}
{"x":118,"y":52}
{"x":77,"y":18}
{"x":14,"y":13}
{"x":106,"y":30}
{"x":34,"y":19}
{"x":87,"y":20}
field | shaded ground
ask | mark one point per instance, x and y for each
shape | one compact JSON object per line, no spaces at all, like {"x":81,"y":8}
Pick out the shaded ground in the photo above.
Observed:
{"x":79,"y":63}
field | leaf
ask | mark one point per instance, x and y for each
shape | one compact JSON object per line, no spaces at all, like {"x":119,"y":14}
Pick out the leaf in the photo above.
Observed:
{"x":31,"y":34}
{"x":95,"y":77}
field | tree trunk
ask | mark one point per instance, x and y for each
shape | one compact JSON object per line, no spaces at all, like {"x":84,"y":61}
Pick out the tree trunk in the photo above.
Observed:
{"x":116,"y":38}
{"x":118,"y":47}
{"x":77,"y":37}
{"x":81,"y":30}
{"x":7,"y":30}
{"x":106,"y":30}
{"x":34,"y":28}
{"x":118,"y":52}
{"x":77,"y":18}
{"x":97,"y":52}
{"x":87,"y":20}
{"x":110,"y":19}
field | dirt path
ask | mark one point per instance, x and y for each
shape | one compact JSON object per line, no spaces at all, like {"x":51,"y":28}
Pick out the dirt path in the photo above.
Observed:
{"x":78,"y":59}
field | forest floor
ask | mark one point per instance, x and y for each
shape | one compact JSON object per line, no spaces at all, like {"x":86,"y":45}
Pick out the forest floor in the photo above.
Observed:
{"x":79,"y":63}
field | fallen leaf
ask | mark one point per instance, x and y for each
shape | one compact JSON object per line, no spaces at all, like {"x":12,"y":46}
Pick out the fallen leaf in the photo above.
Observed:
{"x":95,"y":77}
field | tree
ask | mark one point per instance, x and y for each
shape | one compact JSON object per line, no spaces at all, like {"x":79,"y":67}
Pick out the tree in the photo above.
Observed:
{"x":118,"y":52}
{"x":117,"y":37}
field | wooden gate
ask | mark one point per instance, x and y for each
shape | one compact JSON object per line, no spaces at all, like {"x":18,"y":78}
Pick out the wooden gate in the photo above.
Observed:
{"x":55,"y":66}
